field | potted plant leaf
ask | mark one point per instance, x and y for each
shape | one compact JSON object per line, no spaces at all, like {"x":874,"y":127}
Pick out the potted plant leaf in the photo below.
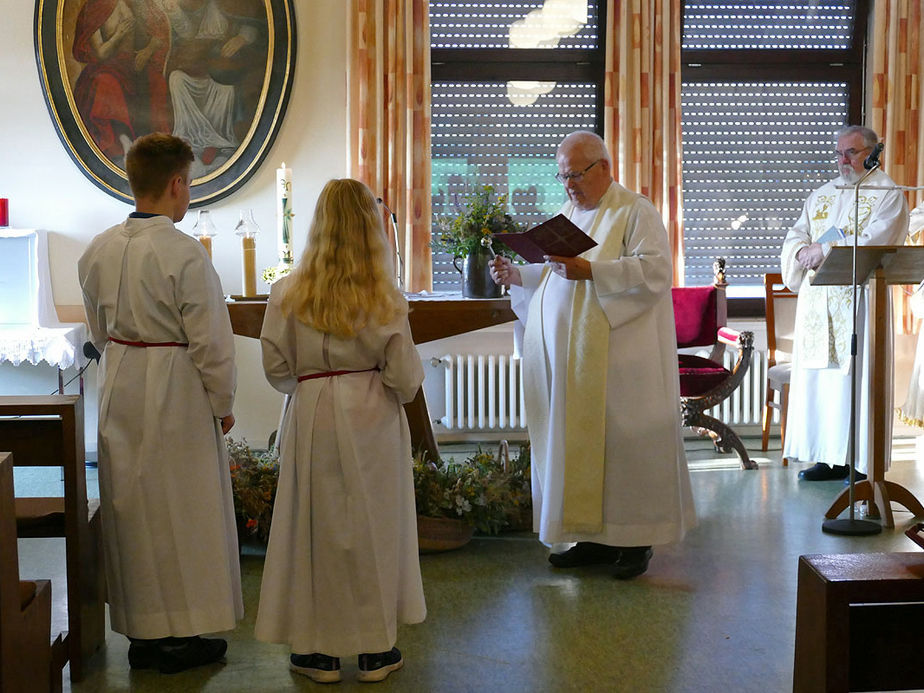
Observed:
{"x":467,"y":236}
{"x":483,"y":493}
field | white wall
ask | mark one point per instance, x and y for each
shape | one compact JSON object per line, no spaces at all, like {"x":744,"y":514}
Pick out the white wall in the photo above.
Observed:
{"x":46,"y":190}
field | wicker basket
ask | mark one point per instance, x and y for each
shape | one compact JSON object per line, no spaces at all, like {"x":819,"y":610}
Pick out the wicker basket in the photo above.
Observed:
{"x":441,"y":534}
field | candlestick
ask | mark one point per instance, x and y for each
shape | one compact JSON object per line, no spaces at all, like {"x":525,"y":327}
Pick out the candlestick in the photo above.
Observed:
{"x":247,"y":229}
{"x":204,"y":229}
{"x":284,"y":214}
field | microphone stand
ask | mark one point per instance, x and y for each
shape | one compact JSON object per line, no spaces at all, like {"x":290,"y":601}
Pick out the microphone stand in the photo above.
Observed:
{"x":852,"y":526}
{"x":394,"y":228}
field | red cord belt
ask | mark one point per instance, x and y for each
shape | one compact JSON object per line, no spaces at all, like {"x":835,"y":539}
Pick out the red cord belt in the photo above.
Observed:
{"x":328,"y":374}
{"x":145,"y":345}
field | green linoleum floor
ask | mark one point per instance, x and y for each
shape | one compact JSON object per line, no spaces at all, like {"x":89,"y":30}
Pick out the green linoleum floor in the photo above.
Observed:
{"x":715,"y":613}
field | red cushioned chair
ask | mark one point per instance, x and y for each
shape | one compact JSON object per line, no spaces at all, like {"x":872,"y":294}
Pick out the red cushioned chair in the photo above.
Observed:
{"x":700,"y":317}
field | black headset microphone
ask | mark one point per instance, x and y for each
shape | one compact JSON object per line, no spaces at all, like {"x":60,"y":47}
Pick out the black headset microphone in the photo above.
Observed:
{"x":872,"y":161}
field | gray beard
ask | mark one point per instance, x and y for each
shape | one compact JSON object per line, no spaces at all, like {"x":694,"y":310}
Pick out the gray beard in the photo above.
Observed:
{"x":849,"y":176}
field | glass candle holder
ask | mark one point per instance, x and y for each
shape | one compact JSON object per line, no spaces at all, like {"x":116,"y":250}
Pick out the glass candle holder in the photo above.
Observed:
{"x":247,"y":229}
{"x":204,"y":229}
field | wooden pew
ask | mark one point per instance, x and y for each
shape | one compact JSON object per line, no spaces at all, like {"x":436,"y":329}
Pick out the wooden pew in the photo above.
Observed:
{"x":26,"y":659}
{"x":48,"y":431}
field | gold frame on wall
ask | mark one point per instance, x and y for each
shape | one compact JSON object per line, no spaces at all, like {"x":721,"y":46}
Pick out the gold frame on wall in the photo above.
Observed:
{"x":216,"y":72}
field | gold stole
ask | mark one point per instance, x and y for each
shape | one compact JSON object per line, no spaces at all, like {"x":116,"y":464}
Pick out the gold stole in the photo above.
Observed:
{"x":825,"y":313}
{"x":585,"y":391}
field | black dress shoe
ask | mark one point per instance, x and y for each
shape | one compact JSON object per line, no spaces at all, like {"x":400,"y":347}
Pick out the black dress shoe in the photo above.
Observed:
{"x":822,"y":472}
{"x":585,"y":553}
{"x":180,"y":654}
{"x":633,"y":561}
{"x":857,"y":477}
{"x":143,"y":654}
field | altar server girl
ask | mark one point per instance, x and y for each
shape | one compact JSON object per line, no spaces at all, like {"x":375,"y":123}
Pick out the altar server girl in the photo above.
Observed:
{"x":342,"y":570}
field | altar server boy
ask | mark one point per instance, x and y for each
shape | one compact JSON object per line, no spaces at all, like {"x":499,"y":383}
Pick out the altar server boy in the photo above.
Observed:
{"x":166,"y":386}
{"x":342,"y":570}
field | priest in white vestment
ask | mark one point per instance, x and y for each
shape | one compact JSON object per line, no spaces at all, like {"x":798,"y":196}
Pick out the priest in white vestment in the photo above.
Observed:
{"x":601,"y":377}
{"x":166,"y":387}
{"x":818,"y":420}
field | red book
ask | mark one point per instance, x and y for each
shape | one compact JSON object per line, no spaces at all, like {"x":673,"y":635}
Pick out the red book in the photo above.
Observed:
{"x":557,"y":236}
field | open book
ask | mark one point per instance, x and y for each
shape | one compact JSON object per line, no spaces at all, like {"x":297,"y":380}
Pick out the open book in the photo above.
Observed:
{"x":557,"y":236}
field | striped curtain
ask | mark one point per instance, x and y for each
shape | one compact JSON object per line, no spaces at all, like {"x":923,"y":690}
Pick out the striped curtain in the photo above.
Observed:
{"x":897,"y":70}
{"x":388,"y":112}
{"x":642,"y":107}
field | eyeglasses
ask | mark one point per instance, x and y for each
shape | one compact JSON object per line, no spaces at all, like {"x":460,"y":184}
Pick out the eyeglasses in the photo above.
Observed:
{"x":850,"y":153}
{"x":576,"y":177}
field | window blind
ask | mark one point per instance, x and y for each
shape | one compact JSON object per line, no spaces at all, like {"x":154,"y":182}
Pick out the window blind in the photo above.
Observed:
{"x":731,"y":24}
{"x":752,"y":152}
{"x":461,"y":24}
{"x":480,"y":138}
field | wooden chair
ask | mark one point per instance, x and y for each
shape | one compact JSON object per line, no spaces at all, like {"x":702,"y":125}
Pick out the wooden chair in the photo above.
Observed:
{"x":27,"y":655}
{"x":700,"y":317}
{"x":781,"y":323}
{"x":48,"y":431}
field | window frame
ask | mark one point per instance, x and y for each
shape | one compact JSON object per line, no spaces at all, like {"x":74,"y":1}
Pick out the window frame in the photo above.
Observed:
{"x":778,"y":64}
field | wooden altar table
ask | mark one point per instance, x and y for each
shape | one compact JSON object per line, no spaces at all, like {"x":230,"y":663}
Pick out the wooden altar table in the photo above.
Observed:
{"x":432,"y":317}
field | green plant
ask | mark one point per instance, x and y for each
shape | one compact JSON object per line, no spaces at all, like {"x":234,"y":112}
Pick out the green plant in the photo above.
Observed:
{"x":481,"y":215}
{"x":254,"y":476}
{"x":488,"y":493}
{"x":482,"y":491}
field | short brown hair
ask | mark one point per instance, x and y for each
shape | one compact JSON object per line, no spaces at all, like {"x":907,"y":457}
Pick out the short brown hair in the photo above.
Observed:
{"x":153,"y":160}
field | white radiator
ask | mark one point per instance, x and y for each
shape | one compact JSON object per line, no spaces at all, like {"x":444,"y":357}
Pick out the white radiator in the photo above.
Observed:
{"x":746,"y":404}
{"x":484,"y":392}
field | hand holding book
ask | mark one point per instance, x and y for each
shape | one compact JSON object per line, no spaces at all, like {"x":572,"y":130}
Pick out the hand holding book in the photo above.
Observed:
{"x":558,"y":236}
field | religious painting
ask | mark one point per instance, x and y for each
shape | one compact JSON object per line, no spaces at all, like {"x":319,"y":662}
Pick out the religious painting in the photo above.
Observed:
{"x":217,"y":73}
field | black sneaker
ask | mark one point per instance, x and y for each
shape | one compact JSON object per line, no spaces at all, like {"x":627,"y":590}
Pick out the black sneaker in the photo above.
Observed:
{"x":377,"y":666}
{"x":585,"y":553}
{"x":179,"y":654}
{"x":318,"y":667}
{"x":632,"y":562}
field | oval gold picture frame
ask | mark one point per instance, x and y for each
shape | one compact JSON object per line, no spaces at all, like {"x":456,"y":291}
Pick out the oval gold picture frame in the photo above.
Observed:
{"x":216,"y":72}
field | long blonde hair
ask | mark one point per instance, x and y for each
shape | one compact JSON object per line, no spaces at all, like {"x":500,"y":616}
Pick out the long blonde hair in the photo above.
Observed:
{"x":344,"y":280}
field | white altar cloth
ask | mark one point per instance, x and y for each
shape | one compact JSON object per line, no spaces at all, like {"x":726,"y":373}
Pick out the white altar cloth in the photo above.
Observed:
{"x":59,"y":346}
{"x":29,"y":327}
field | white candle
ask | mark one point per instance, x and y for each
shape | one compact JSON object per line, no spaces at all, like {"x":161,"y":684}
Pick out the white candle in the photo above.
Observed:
{"x":284,"y":213}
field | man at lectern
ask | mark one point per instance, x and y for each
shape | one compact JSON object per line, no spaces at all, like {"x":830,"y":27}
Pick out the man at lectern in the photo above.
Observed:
{"x":818,"y":422}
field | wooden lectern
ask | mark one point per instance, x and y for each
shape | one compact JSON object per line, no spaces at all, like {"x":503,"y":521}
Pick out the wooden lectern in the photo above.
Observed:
{"x":881,"y":265}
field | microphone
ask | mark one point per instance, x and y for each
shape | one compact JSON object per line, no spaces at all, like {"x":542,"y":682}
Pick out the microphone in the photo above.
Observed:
{"x":394,"y":217}
{"x":872,"y":161}
{"x":90,"y":352}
